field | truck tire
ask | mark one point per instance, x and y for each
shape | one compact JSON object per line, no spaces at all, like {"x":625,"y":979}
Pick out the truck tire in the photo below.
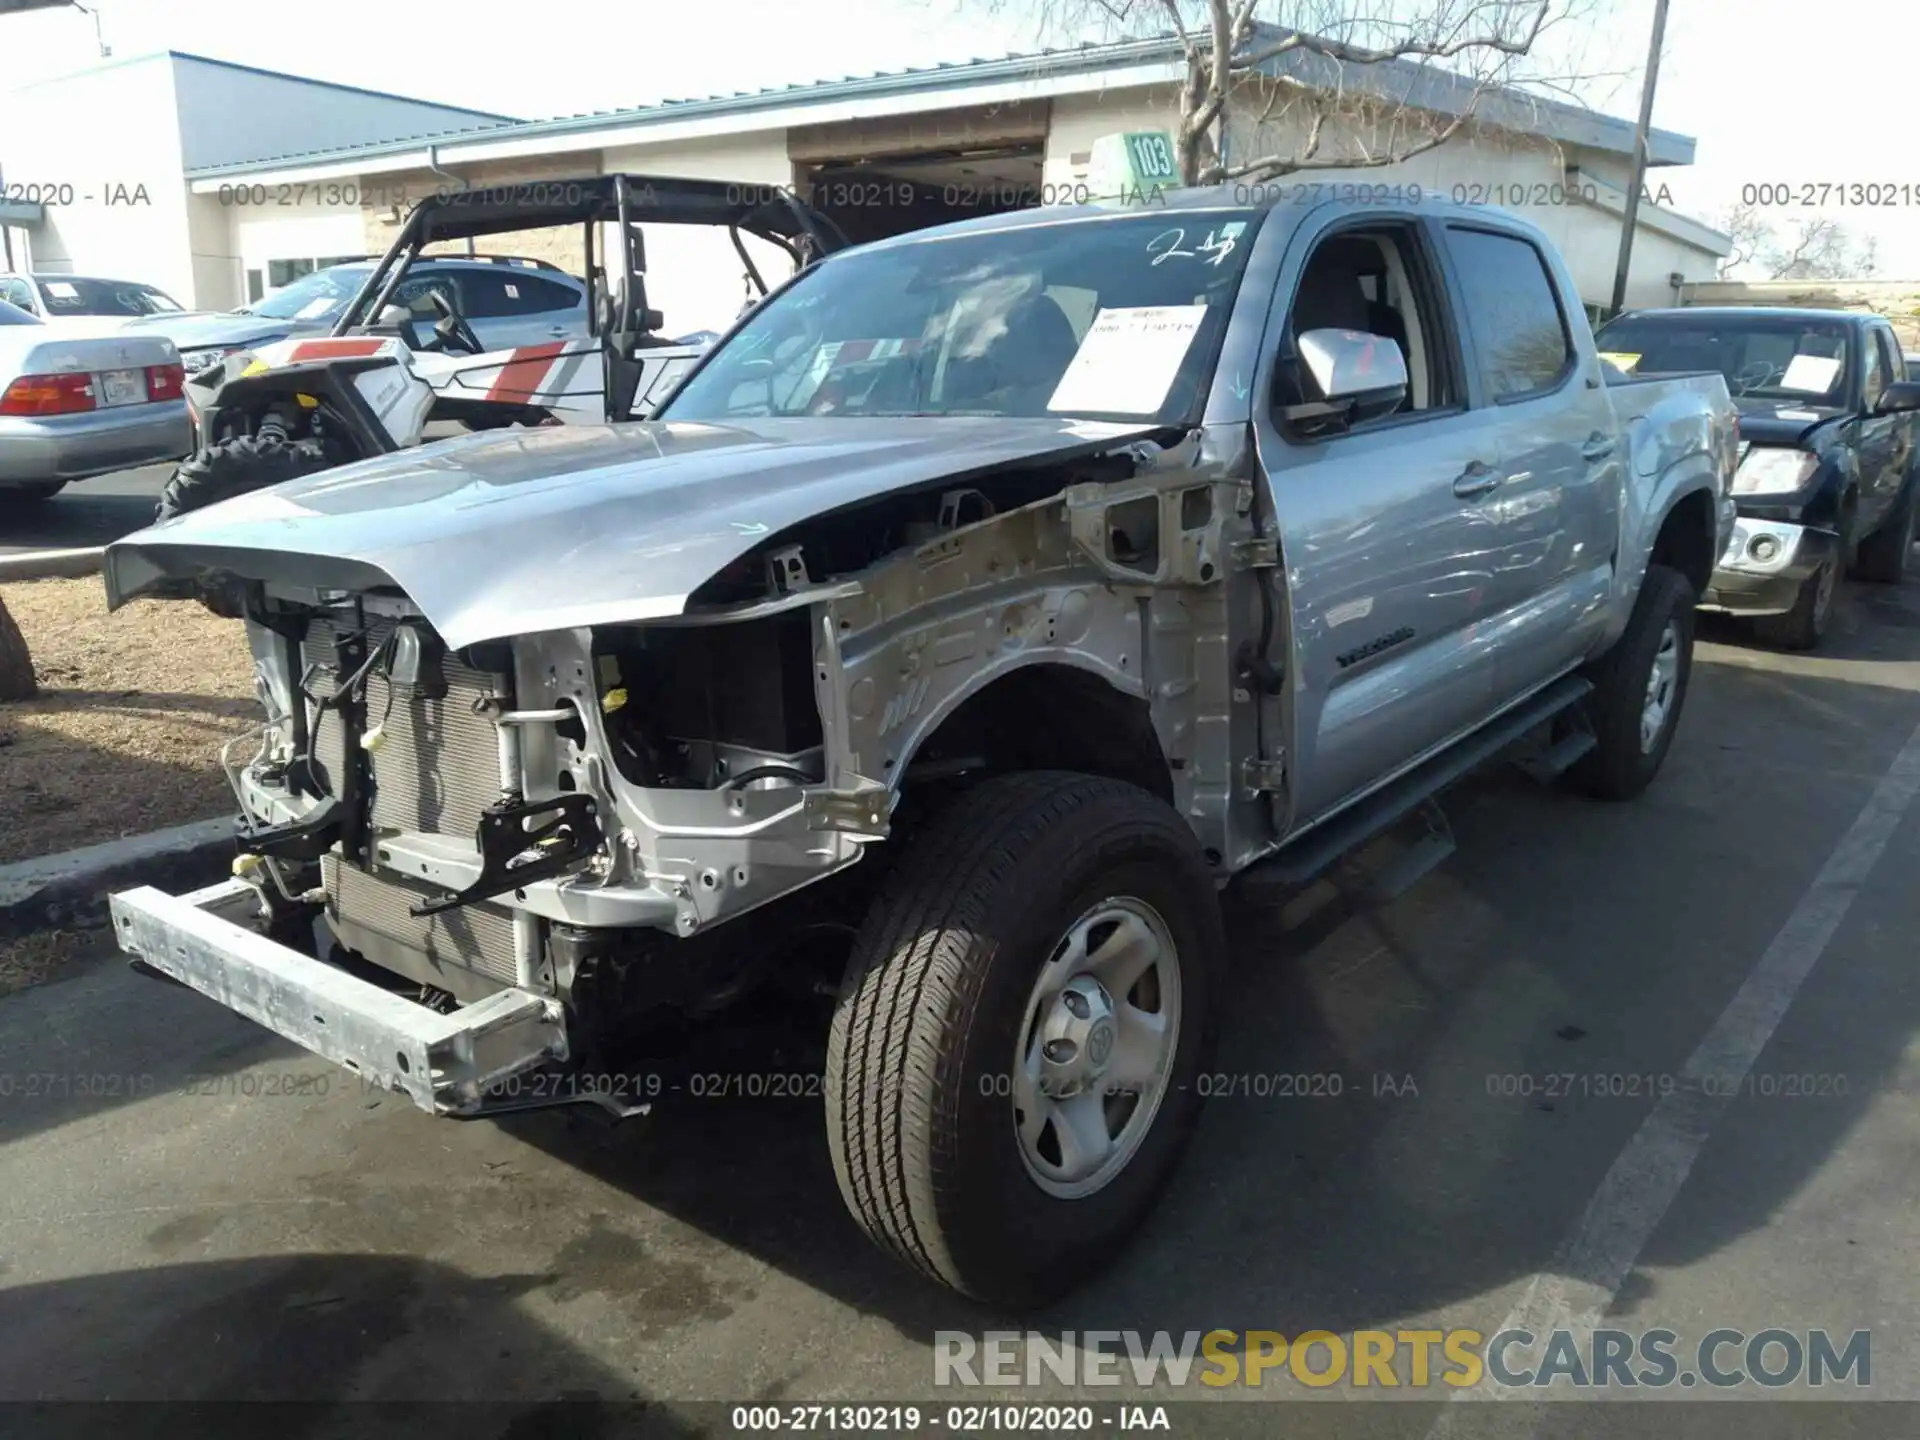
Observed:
{"x":1013,"y":1067}
{"x":236,"y":467}
{"x":1639,"y":687}
{"x":1806,"y":624}
{"x":1882,"y":557}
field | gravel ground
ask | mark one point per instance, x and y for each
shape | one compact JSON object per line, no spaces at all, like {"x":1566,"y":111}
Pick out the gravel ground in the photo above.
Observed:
{"x":133,"y":710}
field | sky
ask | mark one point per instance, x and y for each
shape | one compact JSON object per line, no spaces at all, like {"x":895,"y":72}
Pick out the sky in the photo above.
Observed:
{"x":1769,"y":101}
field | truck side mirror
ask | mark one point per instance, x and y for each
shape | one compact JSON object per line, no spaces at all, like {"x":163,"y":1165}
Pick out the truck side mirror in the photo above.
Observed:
{"x":1348,"y":376}
{"x":1899,"y":398}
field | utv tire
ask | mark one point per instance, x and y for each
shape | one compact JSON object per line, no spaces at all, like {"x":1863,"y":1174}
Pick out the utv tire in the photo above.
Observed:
{"x":31,"y":494}
{"x":1882,"y":557}
{"x":969,"y":977}
{"x":238,"y":466}
{"x":1639,"y":688}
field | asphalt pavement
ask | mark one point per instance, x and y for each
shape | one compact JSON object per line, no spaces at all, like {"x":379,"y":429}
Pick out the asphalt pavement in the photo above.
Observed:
{"x":196,"y":1210}
{"x":86,"y":513}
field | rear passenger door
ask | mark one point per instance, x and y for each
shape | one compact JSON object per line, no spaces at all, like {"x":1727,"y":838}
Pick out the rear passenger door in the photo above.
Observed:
{"x":1553,"y":511}
{"x":1388,"y":554}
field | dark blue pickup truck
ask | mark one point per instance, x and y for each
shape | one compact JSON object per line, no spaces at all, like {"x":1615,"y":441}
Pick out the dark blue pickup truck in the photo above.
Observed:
{"x":1826,"y":484}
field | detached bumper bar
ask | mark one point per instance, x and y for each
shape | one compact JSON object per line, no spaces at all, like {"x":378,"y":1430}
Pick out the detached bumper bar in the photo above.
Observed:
{"x":446,"y":1063}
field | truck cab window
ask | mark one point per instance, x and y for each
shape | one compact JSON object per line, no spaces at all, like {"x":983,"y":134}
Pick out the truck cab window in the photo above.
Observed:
{"x":1876,"y":380}
{"x":1513,"y":313}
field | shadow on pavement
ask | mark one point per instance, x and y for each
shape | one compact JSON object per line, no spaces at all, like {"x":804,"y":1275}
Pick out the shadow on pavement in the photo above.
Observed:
{"x":309,"y":1328}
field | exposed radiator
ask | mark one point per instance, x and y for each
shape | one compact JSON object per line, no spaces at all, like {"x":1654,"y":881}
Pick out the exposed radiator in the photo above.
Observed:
{"x":436,"y":770}
{"x":371,"y":914}
{"x":439,"y":766}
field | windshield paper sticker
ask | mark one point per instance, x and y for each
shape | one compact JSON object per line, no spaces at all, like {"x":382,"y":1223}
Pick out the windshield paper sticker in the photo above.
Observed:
{"x":61,"y":290}
{"x":1128,"y":360}
{"x":1621,"y":359}
{"x":314,"y":309}
{"x":1811,"y":373}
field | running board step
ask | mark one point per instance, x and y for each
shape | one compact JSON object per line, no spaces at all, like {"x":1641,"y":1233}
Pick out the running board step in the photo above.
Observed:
{"x":1417,"y":861}
{"x":1307,"y":858}
{"x":1553,"y":762}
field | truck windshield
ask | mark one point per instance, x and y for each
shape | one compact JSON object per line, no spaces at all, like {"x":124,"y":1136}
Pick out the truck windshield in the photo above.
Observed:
{"x":1116,"y":317}
{"x":319,"y":296}
{"x":1764,"y":357}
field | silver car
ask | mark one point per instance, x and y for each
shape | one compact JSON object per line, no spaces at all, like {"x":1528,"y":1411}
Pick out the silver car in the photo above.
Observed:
{"x":72,"y":406}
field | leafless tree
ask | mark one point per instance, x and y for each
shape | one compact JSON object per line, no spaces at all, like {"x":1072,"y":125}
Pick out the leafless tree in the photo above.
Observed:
{"x":1821,"y":249}
{"x":17,"y":680}
{"x":1330,"y":75}
{"x":1750,"y":233}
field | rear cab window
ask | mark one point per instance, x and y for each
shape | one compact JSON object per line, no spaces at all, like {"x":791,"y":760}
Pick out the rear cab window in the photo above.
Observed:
{"x":1521,"y":341}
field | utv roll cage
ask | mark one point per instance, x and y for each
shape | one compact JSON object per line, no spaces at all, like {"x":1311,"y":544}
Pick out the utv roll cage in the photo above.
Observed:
{"x":617,"y":313}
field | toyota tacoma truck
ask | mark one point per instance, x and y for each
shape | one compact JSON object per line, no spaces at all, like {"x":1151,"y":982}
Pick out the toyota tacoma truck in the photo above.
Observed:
{"x":988,"y":598}
{"x":1828,"y":465}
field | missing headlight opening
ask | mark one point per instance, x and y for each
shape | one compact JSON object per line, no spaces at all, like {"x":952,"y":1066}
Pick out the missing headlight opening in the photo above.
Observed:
{"x":706,"y":706}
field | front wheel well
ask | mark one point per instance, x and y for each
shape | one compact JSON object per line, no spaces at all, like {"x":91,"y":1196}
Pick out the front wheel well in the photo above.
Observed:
{"x":1048,"y":717}
{"x":1686,"y":539}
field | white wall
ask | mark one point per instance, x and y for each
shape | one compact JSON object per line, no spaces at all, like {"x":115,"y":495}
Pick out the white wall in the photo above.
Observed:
{"x":230,"y":115}
{"x":694,"y":278}
{"x":105,"y":132}
{"x":1525,"y":176}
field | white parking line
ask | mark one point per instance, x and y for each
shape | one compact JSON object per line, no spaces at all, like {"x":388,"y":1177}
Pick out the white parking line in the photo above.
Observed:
{"x":1634,"y":1196}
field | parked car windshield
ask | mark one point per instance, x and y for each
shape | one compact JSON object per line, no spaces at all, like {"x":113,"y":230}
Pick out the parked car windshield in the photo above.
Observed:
{"x":1108,"y":318}
{"x":78,"y":295}
{"x":319,"y":296}
{"x":1764,"y":357}
{"x":14,"y":315}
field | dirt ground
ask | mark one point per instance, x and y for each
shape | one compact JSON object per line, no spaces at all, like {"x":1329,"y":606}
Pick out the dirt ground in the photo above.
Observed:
{"x":133,"y":709}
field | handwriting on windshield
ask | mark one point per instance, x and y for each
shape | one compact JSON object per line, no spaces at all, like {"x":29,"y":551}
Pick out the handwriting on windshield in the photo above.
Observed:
{"x":1219,"y":244}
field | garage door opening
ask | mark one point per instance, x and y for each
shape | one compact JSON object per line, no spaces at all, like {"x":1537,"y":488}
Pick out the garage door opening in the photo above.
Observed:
{"x":878,"y":196}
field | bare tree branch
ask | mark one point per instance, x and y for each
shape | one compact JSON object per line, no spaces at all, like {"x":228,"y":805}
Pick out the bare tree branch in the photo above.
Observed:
{"x":1348,"y":84}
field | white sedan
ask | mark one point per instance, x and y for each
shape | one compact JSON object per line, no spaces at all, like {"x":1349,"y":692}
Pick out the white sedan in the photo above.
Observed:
{"x":72,"y":406}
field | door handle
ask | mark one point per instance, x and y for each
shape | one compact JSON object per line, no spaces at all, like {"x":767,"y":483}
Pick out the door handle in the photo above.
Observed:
{"x":1598,"y":447}
{"x":1476,"y":480}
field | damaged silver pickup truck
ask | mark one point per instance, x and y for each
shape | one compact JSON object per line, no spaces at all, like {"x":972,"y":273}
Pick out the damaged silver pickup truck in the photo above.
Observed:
{"x":989,"y":597}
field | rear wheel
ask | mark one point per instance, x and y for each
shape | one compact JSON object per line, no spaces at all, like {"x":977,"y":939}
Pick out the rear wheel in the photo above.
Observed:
{"x":238,"y":466}
{"x":1639,"y":687}
{"x":1883,"y":555}
{"x":1014,"y":1063}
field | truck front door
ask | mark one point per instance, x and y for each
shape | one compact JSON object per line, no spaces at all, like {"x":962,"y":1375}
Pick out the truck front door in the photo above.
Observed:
{"x":1883,"y":444}
{"x":1388,"y":548}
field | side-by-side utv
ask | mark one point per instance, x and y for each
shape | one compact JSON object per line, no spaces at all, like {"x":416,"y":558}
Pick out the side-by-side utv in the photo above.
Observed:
{"x":372,"y":386}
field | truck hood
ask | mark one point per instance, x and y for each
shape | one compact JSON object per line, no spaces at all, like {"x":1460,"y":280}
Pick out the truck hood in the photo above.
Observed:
{"x":201,"y":331}
{"x":1775,"y":422}
{"x":516,"y":531}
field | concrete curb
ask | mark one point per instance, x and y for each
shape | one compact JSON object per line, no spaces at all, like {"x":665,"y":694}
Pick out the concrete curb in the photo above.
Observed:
{"x":51,"y":564}
{"x":71,"y":889}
